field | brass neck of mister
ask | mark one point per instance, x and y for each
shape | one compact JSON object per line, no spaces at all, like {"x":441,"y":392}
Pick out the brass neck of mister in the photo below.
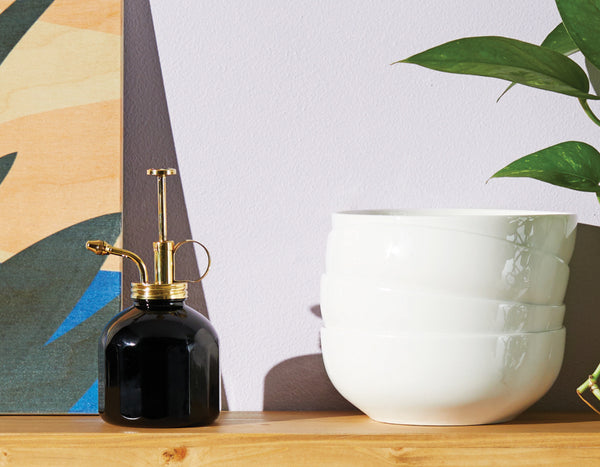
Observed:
{"x":163,"y":249}
{"x":165,"y":287}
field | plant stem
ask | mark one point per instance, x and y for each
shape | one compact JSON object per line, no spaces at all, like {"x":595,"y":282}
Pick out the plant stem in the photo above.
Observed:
{"x":586,"y":385}
{"x":590,"y":384}
{"x":588,"y":111}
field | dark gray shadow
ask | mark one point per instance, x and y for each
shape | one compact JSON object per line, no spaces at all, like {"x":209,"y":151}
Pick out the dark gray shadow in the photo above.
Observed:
{"x":594,"y":75}
{"x":582,"y":320}
{"x":301,"y":383}
{"x":148,"y":143}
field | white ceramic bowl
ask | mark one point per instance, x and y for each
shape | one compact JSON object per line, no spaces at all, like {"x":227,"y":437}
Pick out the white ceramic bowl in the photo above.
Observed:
{"x":552,"y":232}
{"x":423,"y":379}
{"x":352,"y":303}
{"x":449,"y":261}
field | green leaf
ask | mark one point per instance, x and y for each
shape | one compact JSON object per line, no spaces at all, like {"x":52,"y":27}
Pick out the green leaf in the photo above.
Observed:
{"x":559,"y":41}
{"x":571,"y":164}
{"x":582,"y":20}
{"x":16,"y":20}
{"x":510,"y":59}
{"x":6,"y":163}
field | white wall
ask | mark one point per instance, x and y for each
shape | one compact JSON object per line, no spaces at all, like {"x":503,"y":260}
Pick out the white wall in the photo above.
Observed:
{"x":283,"y":112}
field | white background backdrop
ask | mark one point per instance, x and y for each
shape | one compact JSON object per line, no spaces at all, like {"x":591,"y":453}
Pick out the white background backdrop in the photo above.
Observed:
{"x":283,"y":112}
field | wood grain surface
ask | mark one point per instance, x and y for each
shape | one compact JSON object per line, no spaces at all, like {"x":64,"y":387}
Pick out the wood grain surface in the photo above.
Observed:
{"x":300,"y":438}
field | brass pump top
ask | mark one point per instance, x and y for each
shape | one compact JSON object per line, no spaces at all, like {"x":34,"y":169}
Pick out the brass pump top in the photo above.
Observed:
{"x":165,"y":286}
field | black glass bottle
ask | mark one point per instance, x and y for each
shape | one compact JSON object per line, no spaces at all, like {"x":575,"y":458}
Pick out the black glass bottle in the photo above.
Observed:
{"x":159,"y":367}
{"x":159,"y":359}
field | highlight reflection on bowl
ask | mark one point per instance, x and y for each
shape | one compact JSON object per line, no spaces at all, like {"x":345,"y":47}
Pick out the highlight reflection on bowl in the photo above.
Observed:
{"x":550,"y":232}
{"x":448,"y":261}
{"x":356,"y":303}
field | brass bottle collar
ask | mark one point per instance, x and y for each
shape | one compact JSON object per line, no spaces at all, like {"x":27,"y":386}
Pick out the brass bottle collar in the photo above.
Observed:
{"x":165,"y":287}
{"x":175,"y":291}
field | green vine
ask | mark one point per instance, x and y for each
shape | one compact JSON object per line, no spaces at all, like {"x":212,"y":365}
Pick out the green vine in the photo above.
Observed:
{"x":589,"y":112}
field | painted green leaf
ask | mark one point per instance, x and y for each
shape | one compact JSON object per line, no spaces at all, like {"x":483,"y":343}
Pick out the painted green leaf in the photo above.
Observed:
{"x":582,"y":20}
{"x":6,"y":163}
{"x":16,"y":20}
{"x":38,"y":288}
{"x":571,"y":164}
{"x":510,"y":59}
{"x":559,"y":41}
{"x":58,"y":374}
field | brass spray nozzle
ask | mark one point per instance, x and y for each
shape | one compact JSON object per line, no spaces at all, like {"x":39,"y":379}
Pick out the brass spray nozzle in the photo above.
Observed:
{"x":102,"y":248}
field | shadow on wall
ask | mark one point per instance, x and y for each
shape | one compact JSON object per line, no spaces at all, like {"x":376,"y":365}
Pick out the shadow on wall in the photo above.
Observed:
{"x":301,"y":383}
{"x":582,"y":320}
{"x":148,"y":143}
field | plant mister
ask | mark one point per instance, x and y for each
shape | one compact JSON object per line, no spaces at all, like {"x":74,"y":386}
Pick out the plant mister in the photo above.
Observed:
{"x":158,"y":361}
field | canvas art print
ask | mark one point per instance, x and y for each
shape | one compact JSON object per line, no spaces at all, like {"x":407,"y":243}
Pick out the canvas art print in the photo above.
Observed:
{"x":60,"y":185}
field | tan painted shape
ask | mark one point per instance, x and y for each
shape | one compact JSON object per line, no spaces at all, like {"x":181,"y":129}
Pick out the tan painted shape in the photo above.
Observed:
{"x":97,"y":15}
{"x":67,"y":170}
{"x":4,"y":255}
{"x":112,"y":262}
{"x":55,"y":67}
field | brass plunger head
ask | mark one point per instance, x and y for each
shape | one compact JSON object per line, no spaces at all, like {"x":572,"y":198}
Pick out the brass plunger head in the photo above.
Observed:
{"x":165,"y":287}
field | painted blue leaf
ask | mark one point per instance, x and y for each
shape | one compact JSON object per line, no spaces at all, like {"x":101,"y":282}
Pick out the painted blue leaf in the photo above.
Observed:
{"x":88,"y":402}
{"x":105,"y":287}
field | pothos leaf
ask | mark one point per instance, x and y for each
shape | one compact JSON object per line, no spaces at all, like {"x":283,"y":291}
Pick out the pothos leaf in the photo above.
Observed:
{"x":582,"y":21}
{"x":571,"y":164}
{"x":559,"y":41}
{"x":510,"y":59}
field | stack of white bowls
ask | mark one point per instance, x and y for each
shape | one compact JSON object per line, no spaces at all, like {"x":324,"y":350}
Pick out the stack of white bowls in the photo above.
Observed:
{"x":445,"y":317}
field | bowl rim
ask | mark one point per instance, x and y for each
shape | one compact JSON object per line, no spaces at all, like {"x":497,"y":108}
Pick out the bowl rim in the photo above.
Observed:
{"x":437,"y":335}
{"x":443,"y":230}
{"x":452,"y":212}
{"x":374,"y":286}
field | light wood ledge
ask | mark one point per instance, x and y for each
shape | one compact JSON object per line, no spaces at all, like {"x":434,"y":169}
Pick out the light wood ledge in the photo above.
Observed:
{"x":300,"y":439}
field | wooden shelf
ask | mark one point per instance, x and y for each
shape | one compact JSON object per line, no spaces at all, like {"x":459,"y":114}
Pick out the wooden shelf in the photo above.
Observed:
{"x":298,"y":439}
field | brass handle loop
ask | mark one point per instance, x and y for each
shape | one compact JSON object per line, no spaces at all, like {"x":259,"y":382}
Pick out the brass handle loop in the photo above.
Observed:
{"x":176,"y":247}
